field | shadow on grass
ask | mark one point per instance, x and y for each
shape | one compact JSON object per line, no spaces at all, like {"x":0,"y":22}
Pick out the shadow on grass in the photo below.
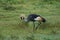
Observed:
{"x":30,"y":37}
{"x":23,"y":25}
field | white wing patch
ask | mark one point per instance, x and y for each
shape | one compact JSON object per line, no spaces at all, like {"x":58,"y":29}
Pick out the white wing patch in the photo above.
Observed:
{"x":38,"y":18}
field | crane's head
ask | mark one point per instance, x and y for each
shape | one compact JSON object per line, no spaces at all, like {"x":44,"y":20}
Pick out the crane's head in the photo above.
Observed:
{"x":40,"y":19}
{"x":23,"y":17}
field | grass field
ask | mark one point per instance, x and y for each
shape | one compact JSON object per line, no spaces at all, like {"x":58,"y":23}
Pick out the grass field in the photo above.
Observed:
{"x":11,"y":27}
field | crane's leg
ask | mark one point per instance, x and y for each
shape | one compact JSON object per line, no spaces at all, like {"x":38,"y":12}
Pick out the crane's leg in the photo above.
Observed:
{"x":33,"y":26}
{"x":37,"y":26}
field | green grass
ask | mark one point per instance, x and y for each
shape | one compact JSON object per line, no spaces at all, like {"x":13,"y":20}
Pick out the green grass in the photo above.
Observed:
{"x":11,"y":27}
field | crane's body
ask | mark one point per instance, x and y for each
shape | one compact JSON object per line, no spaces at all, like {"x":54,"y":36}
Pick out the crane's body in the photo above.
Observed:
{"x":35,"y":17}
{"x":32,"y":17}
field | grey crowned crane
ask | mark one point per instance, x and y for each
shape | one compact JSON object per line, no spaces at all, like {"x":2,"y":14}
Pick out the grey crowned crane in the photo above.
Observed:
{"x":33,"y":18}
